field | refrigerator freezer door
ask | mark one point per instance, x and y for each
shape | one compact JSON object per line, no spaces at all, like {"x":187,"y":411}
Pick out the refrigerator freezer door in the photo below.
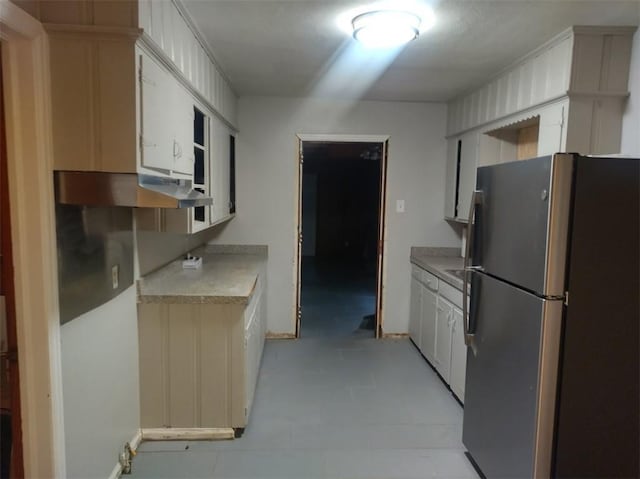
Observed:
{"x":511,"y":380}
{"x":521,"y":225}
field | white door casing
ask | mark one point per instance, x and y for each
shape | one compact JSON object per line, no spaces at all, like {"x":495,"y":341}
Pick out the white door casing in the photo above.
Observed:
{"x":29,"y":154}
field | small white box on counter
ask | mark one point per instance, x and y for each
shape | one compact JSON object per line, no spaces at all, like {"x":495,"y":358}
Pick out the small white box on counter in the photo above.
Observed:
{"x":192,"y":262}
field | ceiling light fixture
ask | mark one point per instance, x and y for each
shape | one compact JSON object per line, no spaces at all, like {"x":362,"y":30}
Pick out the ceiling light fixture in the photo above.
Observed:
{"x":386,"y":28}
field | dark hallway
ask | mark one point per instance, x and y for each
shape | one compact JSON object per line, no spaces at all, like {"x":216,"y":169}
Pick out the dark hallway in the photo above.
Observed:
{"x":340,"y":204}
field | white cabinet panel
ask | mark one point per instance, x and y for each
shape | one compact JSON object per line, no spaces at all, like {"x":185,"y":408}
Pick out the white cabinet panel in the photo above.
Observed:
{"x":144,"y":15}
{"x":428,"y":324}
{"x":458,"y":367}
{"x":156,"y":115}
{"x":182,"y":122}
{"x":550,"y":132}
{"x":468,"y":166}
{"x":415,"y":306}
{"x":220,"y":151}
{"x":444,"y":318}
{"x":450,"y":181}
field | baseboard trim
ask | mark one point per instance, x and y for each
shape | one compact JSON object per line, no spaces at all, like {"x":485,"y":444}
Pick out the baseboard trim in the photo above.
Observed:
{"x":271,"y":335}
{"x":395,"y":335}
{"x":134,"y":443}
{"x":187,"y":433}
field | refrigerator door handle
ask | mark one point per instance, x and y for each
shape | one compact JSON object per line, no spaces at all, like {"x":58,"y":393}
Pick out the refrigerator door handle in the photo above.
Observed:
{"x":476,"y":199}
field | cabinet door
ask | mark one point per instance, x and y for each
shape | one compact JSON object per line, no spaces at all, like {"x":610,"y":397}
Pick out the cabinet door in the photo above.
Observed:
{"x":458,"y":356}
{"x":428,"y":324}
{"x":414,"y":312}
{"x":182,"y":125}
{"x":444,"y":317}
{"x":155,"y":129}
{"x":451,"y":181}
{"x":220,"y":147}
{"x":468,"y":166}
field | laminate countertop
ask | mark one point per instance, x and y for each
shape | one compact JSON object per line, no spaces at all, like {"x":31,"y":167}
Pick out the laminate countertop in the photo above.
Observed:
{"x":229,"y":277}
{"x":437,"y":261}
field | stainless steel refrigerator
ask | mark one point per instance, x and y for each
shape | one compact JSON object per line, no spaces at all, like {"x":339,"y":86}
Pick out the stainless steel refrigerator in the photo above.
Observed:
{"x":553,"y":263}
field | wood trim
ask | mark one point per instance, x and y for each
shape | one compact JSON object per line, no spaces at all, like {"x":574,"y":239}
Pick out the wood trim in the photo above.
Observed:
{"x":29,"y":152}
{"x":187,"y":434}
{"x":599,"y":94}
{"x":271,"y":335}
{"x":8,"y":291}
{"x":92,"y":30}
{"x":16,"y":23}
{"x":343,"y":138}
{"x":382,"y":231}
{"x":381,"y":267}
{"x":395,"y":335}
{"x":135,"y":441}
{"x":511,"y":118}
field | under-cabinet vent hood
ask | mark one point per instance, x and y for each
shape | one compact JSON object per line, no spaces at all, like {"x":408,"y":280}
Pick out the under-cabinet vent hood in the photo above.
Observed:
{"x":92,"y":188}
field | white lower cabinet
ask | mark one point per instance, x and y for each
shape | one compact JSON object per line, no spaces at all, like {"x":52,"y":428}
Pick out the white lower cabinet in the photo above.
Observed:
{"x":437,"y":329}
{"x":428,"y":326}
{"x":444,"y":318}
{"x":415,"y":308}
{"x":199,"y":362}
{"x":458,"y":367}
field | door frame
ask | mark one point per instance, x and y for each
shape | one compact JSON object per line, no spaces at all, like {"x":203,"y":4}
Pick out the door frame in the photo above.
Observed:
{"x":30,"y":167}
{"x":382,"y":213}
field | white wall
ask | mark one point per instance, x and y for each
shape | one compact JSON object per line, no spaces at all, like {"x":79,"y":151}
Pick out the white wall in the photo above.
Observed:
{"x":267,"y":182}
{"x":100,"y":386}
{"x":631,"y":120}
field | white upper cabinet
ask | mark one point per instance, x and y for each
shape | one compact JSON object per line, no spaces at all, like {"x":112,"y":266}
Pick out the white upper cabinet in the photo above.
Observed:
{"x":220,"y":171}
{"x":182,"y":124}
{"x":156,"y":136}
{"x":567,"y":95}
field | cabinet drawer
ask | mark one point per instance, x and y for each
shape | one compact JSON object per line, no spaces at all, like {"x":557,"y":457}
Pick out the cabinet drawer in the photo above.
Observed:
{"x":450,"y":293}
{"x":430,"y":281}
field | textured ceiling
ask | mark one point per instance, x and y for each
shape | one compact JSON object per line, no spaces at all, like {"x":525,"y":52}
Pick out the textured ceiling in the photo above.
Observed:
{"x":296,"y":48}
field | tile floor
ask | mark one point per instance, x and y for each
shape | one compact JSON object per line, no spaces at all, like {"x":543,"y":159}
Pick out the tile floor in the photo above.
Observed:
{"x":334,"y":404}
{"x":342,"y":407}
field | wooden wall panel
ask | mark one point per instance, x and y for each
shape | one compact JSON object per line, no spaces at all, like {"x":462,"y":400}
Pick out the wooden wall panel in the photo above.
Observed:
{"x":215,"y":374}
{"x":615,"y":69}
{"x":183,"y":365}
{"x":73,"y":98}
{"x":117,"y":145}
{"x":587,"y":55}
{"x":153,"y":346}
{"x":527,"y":142}
{"x":123,"y":13}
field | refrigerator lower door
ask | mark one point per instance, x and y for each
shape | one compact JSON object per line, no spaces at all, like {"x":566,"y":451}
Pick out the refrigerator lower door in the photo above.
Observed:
{"x":511,"y":380}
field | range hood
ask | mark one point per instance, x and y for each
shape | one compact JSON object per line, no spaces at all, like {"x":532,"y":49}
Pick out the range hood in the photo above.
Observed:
{"x":94,"y":188}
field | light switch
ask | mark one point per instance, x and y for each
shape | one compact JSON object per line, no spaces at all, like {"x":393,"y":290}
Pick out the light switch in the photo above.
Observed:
{"x":400,"y":206}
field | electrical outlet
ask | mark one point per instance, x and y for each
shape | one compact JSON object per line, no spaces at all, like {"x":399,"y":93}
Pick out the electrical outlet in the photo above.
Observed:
{"x":400,"y":206}
{"x":115,"y":276}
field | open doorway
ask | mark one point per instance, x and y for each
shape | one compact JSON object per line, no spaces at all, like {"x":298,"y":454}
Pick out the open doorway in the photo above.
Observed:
{"x":341,"y":205}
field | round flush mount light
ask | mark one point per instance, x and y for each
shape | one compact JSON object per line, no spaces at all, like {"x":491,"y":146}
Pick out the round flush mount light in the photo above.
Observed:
{"x":386,"y":28}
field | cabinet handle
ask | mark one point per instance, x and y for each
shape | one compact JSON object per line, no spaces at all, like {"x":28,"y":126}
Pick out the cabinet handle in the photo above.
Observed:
{"x":176,"y":149}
